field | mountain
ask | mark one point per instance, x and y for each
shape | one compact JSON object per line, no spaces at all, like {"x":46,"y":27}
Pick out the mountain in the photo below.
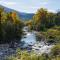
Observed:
{"x":22,"y":15}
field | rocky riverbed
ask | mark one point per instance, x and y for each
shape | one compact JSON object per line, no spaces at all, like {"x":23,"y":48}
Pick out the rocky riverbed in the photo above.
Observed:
{"x":28,"y":42}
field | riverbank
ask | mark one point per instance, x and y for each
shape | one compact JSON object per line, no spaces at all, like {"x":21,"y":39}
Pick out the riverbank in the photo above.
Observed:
{"x":28,"y":43}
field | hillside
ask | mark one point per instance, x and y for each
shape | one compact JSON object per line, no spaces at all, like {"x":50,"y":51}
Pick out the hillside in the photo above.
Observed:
{"x":22,"y":15}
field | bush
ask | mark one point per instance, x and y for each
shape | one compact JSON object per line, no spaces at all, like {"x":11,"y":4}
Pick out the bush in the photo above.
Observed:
{"x":55,"y":51}
{"x":52,"y":36}
{"x":10,"y":27}
{"x":25,"y":55}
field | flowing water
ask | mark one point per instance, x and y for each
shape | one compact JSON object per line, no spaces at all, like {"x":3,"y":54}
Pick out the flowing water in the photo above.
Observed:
{"x":27,"y":42}
{"x":37,"y":47}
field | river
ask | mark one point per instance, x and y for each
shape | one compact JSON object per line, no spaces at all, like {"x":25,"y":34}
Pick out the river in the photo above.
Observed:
{"x":38,"y":47}
{"x":27,"y":42}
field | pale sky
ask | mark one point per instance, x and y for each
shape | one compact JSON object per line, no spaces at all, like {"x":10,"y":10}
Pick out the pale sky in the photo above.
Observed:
{"x":31,"y":6}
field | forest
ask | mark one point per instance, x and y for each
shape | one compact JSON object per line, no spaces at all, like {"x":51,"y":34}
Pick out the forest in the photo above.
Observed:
{"x":45,"y":23}
{"x":10,"y":26}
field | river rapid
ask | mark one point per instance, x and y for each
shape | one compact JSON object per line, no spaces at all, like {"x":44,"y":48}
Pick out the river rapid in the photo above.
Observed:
{"x":27,"y":42}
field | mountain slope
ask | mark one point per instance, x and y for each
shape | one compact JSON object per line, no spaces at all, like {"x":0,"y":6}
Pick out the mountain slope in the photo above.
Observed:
{"x":22,"y":15}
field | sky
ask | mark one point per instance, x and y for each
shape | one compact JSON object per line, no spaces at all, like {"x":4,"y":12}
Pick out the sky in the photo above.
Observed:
{"x":31,"y":6}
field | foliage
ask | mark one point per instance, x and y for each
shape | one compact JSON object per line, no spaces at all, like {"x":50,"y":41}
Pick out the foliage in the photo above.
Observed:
{"x":40,"y":19}
{"x":10,"y":26}
{"x":25,"y":55}
{"x":53,"y":35}
{"x":44,"y":20}
{"x":29,"y":24}
{"x":55,"y":51}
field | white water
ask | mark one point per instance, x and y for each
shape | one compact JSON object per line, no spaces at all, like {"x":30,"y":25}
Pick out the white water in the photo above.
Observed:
{"x":30,"y":39}
{"x":37,"y":47}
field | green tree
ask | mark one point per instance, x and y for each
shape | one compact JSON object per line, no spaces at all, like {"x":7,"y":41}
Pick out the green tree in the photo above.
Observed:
{"x":40,"y":19}
{"x":10,"y":26}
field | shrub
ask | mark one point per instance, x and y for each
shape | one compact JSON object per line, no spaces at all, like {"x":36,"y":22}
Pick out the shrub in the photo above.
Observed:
{"x":52,"y":36}
{"x":55,"y":51}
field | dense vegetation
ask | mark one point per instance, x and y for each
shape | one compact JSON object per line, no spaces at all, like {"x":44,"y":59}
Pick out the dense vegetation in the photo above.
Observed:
{"x":10,"y":26}
{"x":52,"y":35}
{"x":47,"y":24}
{"x":24,"y":55}
{"x":44,"y":20}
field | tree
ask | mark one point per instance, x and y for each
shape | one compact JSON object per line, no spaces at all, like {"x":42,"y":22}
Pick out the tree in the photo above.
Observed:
{"x":57,"y":18}
{"x":50,"y":20}
{"x":40,"y":19}
{"x":43,"y":20}
{"x":1,"y":31}
{"x":10,"y":26}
